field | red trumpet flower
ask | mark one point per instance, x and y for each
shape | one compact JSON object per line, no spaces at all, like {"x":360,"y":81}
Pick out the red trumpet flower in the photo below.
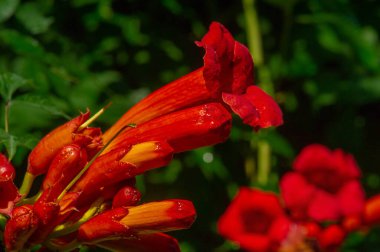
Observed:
{"x":123,"y":222}
{"x":8,"y":191}
{"x":88,"y":195}
{"x":255,"y":220}
{"x":70,"y":132}
{"x":226,"y":77}
{"x":184,"y":130}
{"x":324,"y":186}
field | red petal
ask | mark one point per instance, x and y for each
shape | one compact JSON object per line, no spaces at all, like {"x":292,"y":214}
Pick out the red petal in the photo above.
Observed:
{"x":324,"y":207}
{"x":352,"y":198}
{"x":297,"y":194}
{"x":184,"y":130}
{"x":331,"y":238}
{"x":254,"y":242}
{"x":9,"y":195}
{"x":109,"y":222}
{"x":255,"y":107}
{"x":64,"y":167}
{"x":7,"y":172}
{"x":187,"y":91}
{"x":127,"y":196}
{"x":42,"y":155}
{"x":318,"y":157}
{"x":254,"y":219}
{"x":228,"y":66}
{"x":151,"y":217}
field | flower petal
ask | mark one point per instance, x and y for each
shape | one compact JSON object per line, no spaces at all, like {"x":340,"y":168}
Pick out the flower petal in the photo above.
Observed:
{"x":228,"y":65}
{"x":126,"y":196}
{"x":48,"y":147}
{"x":147,"y":218}
{"x":324,"y":207}
{"x":184,"y":130}
{"x":352,"y":198}
{"x":331,"y":238}
{"x":7,"y":171}
{"x":297,"y":194}
{"x":255,"y":107}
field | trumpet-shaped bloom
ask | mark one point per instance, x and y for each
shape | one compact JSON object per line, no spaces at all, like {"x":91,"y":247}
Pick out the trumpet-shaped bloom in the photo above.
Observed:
{"x":255,"y":221}
{"x":42,"y":155}
{"x":153,"y":217}
{"x":85,"y":189}
{"x":226,"y":77}
{"x":184,"y":130}
{"x":324,"y":186}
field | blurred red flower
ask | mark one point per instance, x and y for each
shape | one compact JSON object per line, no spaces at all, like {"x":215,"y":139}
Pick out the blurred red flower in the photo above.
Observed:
{"x":324,"y":186}
{"x":255,"y":220}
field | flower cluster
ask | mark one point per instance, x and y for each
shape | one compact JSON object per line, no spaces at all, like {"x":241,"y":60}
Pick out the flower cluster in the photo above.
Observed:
{"x":321,"y":202}
{"x":88,"y":194}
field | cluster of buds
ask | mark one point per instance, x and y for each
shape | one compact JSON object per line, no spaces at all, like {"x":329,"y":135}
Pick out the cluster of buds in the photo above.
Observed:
{"x":321,"y":202}
{"x":88,"y":194}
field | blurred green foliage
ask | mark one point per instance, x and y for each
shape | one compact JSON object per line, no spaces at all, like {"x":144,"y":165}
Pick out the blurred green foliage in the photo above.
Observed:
{"x":321,"y":56}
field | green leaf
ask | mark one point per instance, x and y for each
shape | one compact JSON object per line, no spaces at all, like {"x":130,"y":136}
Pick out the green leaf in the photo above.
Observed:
{"x":40,"y":103}
{"x":7,"y":8}
{"x":9,"y":84}
{"x":9,"y":142}
{"x":22,"y":44}
{"x":32,"y":18}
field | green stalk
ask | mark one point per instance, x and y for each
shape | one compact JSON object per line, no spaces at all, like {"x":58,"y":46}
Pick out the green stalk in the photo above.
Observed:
{"x":3,"y":221}
{"x":265,"y":82}
{"x":253,"y":31}
{"x":6,"y":117}
{"x":263,"y":153}
{"x":67,"y":228}
{"x":26,"y":184}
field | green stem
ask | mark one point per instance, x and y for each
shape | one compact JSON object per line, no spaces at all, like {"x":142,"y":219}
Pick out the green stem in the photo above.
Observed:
{"x":67,"y":228}
{"x":254,"y":39}
{"x":6,"y":117}
{"x":253,"y":31}
{"x":3,"y":221}
{"x":27,"y":184}
{"x":30,"y":200}
{"x":264,"y":153}
{"x":62,"y":248}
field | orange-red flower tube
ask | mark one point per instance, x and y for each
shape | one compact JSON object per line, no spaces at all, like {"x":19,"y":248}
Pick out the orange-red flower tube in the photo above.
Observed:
{"x":225,"y":77}
{"x":186,"y":129}
{"x":160,"y":216}
{"x":43,"y":154}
